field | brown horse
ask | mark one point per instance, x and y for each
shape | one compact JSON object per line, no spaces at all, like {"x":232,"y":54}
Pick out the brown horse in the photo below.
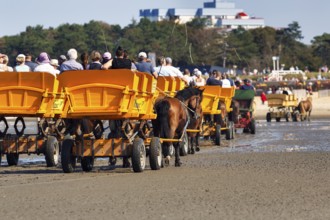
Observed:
{"x":196,"y":118}
{"x":305,"y":109}
{"x":234,"y":115}
{"x":173,"y":118}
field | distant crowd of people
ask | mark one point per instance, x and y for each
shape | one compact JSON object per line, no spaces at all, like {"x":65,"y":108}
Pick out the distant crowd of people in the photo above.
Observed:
{"x":96,"y":61}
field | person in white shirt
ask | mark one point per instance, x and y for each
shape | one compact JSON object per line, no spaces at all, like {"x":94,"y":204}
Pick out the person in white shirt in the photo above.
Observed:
{"x":21,"y":67}
{"x":171,"y":69}
{"x":226,"y":82}
{"x":199,"y":80}
{"x":187,"y":78}
{"x":44,"y":64}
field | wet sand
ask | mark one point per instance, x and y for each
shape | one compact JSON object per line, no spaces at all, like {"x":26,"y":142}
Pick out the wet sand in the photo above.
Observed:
{"x":282,"y":172}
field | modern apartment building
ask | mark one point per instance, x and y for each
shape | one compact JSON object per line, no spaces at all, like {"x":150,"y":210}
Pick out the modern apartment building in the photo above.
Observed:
{"x":219,"y":13}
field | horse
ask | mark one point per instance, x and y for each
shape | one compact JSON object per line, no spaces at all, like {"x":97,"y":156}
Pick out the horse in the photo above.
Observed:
{"x":305,"y":109}
{"x":196,"y":119}
{"x":173,"y":118}
{"x":235,"y":114}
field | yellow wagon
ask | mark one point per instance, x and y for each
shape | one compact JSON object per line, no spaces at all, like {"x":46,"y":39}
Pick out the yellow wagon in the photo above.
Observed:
{"x":29,"y":94}
{"x":281,"y":106}
{"x":116,"y":95}
{"x":213,"y":98}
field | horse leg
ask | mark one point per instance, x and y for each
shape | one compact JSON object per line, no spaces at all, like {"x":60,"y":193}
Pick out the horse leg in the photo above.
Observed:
{"x":126,"y":163}
{"x":309,"y":115}
{"x":197,"y":142}
{"x":189,"y":145}
{"x":192,"y":147}
{"x":177,"y":154}
{"x":166,"y":153}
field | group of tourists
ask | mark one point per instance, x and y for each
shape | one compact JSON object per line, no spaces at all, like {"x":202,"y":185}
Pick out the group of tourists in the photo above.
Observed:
{"x":97,"y":61}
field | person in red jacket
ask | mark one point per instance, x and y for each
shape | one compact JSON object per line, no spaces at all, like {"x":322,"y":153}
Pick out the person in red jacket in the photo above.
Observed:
{"x":263,"y":97}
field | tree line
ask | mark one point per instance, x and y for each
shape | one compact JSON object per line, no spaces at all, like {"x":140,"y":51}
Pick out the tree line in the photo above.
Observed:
{"x":188,"y":44}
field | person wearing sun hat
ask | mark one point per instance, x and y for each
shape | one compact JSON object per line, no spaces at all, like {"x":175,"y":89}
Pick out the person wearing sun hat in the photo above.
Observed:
{"x":20,"y":64}
{"x":44,"y":64}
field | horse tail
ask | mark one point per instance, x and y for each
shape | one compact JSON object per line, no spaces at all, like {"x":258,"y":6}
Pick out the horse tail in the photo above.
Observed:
{"x":161,"y":125}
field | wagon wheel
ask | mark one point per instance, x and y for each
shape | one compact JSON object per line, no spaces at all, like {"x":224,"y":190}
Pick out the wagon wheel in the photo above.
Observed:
{"x":60,"y":127}
{"x":68,"y":160}
{"x":217,"y":134}
{"x":288,"y":116}
{"x":98,"y":129}
{"x":4,"y":132}
{"x":18,"y":121}
{"x":268,"y":117}
{"x":51,"y":151}
{"x":184,"y":145}
{"x":12,"y":159}
{"x":87,"y":163}
{"x":252,"y":126}
{"x":155,"y":154}
{"x":138,"y":155}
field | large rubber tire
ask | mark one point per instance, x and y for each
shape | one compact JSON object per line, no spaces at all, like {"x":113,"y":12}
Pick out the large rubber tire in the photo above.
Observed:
{"x":51,"y":151}
{"x":288,"y":117}
{"x":87,"y":163}
{"x":12,"y":159}
{"x":268,"y":117}
{"x":155,"y":154}
{"x":217,"y":134}
{"x":184,"y":145}
{"x":252,"y":126}
{"x":68,"y":160}
{"x":138,"y":155}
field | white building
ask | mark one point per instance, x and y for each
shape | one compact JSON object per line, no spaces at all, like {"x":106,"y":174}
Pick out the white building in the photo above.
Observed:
{"x":219,"y":13}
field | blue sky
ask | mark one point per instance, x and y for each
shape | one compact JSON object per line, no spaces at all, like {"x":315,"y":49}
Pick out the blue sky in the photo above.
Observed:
{"x":312,"y":16}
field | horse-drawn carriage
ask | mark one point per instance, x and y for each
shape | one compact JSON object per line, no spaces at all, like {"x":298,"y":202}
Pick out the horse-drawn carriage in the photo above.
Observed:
{"x":281,"y":106}
{"x":73,"y":107}
{"x":121,"y":96}
{"x":216,"y":106}
{"x":245,"y":104}
{"x":30,"y":98}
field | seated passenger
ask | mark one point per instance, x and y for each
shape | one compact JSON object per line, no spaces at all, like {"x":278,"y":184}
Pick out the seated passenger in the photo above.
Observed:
{"x":54,"y":63}
{"x":71,"y":64}
{"x":199,"y":80}
{"x":44,"y":64}
{"x":21,"y":67}
{"x":95,"y":64}
{"x":226,"y":81}
{"x":187,"y":78}
{"x":106,"y":60}
{"x":143,"y":66}
{"x":172,"y":70}
{"x":215,"y":79}
{"x":247,"y":85}
{"x":5,"y":66}
{"x":119,"y":62}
